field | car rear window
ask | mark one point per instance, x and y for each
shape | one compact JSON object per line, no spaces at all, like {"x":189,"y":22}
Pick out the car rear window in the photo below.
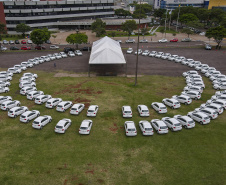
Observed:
{"x":59,"y":106}
{"x":206,"y":118}
{"x":35,"y":122}
{"x":148,"y":129}
{"x":90,"y":110}
{"x":23,"y":116}
{"x":127,"y":111}
{"x":84,"y":128}
{"x":131,"y":129}
{"x":190,"y":122}
{"x":74,"y":109}
{"x":177,"y":124}
{"x":164,"y":127}
{"x":59,"y":127}
{"x":10,"y":111}
{"x":176,"y":103}
{"x":48,"y":102}
{"x":144,"y":110}
{"x":162,"y":107}
{"x":37,"y":98}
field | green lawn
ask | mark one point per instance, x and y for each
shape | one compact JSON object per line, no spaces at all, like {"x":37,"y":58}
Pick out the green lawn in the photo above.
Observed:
{"x":107,"y":156}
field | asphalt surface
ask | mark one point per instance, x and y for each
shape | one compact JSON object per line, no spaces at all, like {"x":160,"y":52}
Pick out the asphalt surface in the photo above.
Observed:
{"x":146,"y":65}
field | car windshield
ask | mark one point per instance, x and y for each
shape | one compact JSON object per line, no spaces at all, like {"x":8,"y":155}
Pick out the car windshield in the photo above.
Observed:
{"x":164,"y":127}
{"x":131,"y":129}
{"x":84,"y":128}
{"x":59,"y":127}
{"x":35,"y":122}
{"x":148,"y":129}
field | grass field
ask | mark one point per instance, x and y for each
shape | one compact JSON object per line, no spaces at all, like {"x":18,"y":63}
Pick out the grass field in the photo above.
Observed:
{"x":107,"y":156}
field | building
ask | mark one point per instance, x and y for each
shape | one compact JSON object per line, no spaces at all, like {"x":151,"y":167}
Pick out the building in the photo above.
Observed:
{"x":221,"y":4}
{"x":173,"y":4}
{"x":54,"y":14}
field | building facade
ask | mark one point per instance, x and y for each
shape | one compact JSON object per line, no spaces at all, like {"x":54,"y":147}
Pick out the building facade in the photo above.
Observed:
{"x":54,"y":14}
{"x":221,"y":4}
{"x":173,"y":4}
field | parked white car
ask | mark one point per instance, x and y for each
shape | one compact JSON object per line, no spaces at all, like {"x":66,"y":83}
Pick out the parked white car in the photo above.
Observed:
{"x":57,"y":55}
{"x":152,"y":54}
{"x":4,"y":84}
{"x":130,"y":128}
{"x":221,"y":86}
{"x":129,"y":50}
{"x":16,"y":111}
{"x":172,"y":123}
{"x":185,"y":121}
{"x":71,"y":54}
{"x":6,"y":73}
{"x":27,"y":84}
{"x":54,"y":47}
{"x":42,"y":99}
{"x":220,"y":92}
{"x":52,"y":57}
{"x":163,"y":40}
{"x":63,"y":106}
{"x":27,"y":78}
{"x":4,"y":98}
{"x":143,"y":110}
{"x":6,"y":105}
{"x":199,"y":117}
{"x":31,"y":75}
{"x":14,"y":71}
{"x":78,"y":52}
{"x":51,"y":103}
{"x":159,"y":107}
{"x":216,"y":107}
{"x":183,"y":99}
{"x":25,"y":90}
{"x":221,"y":97}
{"x":4,"y":89}
{"x":159,"y":126}
{"x":64,"y":55}
{"x":29,"y":115}
{"x":139,"y":52}
{"x":217,"y":101}
{"x":212,"y":113}
{"x":130,"y":41}
{"x":23,"y":68}
{"x":5,"y":78}
{"x":41,"y":121}
{"x":159,"y":54}
{"x":146,"y":128}
{"x":127,"y":111}
{"x":34,"y":94}
{"x":146,"y":53}
{"x":77,"y":108}
{"x":85,"y":126}
{"x":193,"y":88}
{"x":92,"y":110}
{"x":191,"y":72}
{"x":192,"y":94}
{"x":62,"y":126}
{"x":171,"y":102}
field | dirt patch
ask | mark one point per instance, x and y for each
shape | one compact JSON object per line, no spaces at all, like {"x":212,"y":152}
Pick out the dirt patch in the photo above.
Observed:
{"x":101,"y":181}
{"x":90,"y":171}
{"x":114,"y":129}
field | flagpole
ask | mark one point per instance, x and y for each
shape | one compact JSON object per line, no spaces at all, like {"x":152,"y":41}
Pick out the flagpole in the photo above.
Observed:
{"x":165,"y":22}
{"x":178,"y":17}
{"x":170,"y":17}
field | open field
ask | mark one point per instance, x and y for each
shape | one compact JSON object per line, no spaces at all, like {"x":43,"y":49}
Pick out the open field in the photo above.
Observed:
{"x":107,"y":156}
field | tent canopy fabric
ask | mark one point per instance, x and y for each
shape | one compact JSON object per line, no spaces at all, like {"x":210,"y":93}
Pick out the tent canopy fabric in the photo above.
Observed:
{"x":106,"y":51}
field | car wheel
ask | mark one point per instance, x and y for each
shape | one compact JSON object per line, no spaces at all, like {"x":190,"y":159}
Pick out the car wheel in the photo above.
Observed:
{"x":64,"y":110}
{"x":201,"y":122}
{"x":18,"y":104}
{"x":50,"y":120}
{"x":6,"y":91}
{"x":157,"y":132}
{"x":172,"y":107}
{"x":218,"y":89}
{"x":27,"y":121}
{"x":41,"y":128}
{"x":185,"y":126}
{"x":14,"y":116}
{"x":185,"y":103}
{"x":38,"y":114}
{"x":196,"y":98}
{"x":171,"y":129}
{"x":32,"y":99}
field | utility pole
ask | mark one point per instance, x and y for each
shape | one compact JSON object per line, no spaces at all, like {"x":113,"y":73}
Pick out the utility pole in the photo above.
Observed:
{"x":178,"y":17}
{"x":138,"y":40}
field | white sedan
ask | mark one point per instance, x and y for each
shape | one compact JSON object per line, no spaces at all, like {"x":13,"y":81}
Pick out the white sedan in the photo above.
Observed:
{"x":77,"y":108}
{"x":146,"y":53}
{"x":41,"y":121}
{"x":172,"y":123}
{"x":185,"y":121}
{"x":71,"y":54}
{"x":78,"y":52}
{"x":92,"y":110}
{"x":143,"y":110}
{"x":10,"y":104}
{"x":139,"y":52}
{"x":171,"y":102}
{"x":85,"y":126}
{"x":62,"y":126}
{"x":42,"y":99}
{"x":16,"y":111}
{"x":129,"y":50}
{"x":31,"y":75}
{"x":152,"y":54}
{"x":64,"y":55}
{"x":63,"y":106}
{"x":163,"y":40}
{"x":53,"y":102}
{"x":146,"y":128}
{"x":4,"y":89}
{"x":159,"y":107}
{"x":54,"y":47}
{"x":159,"y":126}
{"x":29,"y":115}
{"x":130,"y":128}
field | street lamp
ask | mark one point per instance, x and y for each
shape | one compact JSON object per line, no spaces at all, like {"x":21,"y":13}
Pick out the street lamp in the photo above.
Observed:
{"x":77,"y":30}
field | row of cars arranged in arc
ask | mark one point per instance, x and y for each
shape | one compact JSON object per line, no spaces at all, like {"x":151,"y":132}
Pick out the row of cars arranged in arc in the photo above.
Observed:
{"x":28,"y":87}
{"x":163,"y":40}
{"x":193,"y":90}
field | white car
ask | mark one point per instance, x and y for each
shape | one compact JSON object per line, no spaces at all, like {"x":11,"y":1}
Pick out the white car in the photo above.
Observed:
{"x":139,"y":52}
{"x":185,"y":74}
{"x":20,"y":67}
{"x":5,"y":78}
{"x":29,"y":115}
{"x":183,"y":99}
{"x":54,"y":47}
{"x":71,"y":54}
{"x":4,"y":89}
{"x":163,"y":40}
{"x":143,"y":110}
{"x":159,"y":107}
{"x":146,"y":128}
{"x":64,"y":55}
{"x":179,"y":59}
{"x":214,"y":73}
{"x":172,"y":57}
{"x":92,"y":110}
{"x":62,"y":126}
{"x":31,"y":75}
{"x":34,"y":94}
{"x":185,"y":121}
{"x":78,"y":52}
{"x":193,"y":80}
{"x":146,"y":53}
{"x":127,"y":112}
{"x":41,"y":121}
{"x":25,"y":90}
{"x":85,"y":126}
{"x":13,"y":70}
{"x":165,"y":56}
{"x":129,"y":50}
{"x":159,"y":54}
{"x":130,"y":41}
{"x":193,"y":88}
{"x":53,"y":102}
{"x":52,"y":57}
{"x":27,"y":78}
{"x":16,"y":111}
{"x":4,"y":84}
{"x":159,"y":126}
{"x":200,"y":84}
{"x":35,"y":62}
{"x":152,"y":54}
{"x":192,"y":94}
{"x":130,"y":128}
{"x":29,"y":41}
{"x":171,"y":102}
{"x":217,"y":101}
{"x":144,"y":41}
{"x":172,"y":123}
{"x":57,"y":55}
{"x":4,"y":98}
{"x":63,"y":106}
{"x":199,"y":117}
{"x":77,"y":108}
{"x":42,"y":99}
{"x":212,"y":113}
{"x":216,"y":107}
{"x":220,"y":92}
{"x":27,"y":64}
{"x":6,"y":105}
{"x":220,"y":97}
{"x":219,"y":81}
{"x":6,"y":73}
{"x":221,"y":86}
{"x":27,"y":84}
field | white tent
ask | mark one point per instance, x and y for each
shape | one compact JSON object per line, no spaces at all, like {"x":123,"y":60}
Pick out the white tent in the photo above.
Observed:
{"x":106,"y":51}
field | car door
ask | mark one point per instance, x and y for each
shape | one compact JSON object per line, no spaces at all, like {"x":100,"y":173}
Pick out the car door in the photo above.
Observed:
{"x":90,"y":125}
{"x":66,"y":125}
{"x":142,"y":127}
{"x":139,"y":109}
{"x":54,"y":103}
{"x":20,"y":111}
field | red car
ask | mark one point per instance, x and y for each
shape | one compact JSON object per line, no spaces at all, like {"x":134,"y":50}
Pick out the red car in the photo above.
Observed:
{"x":174,"y":40}
{"x":23,"y":42}
{"x":39,"y":47}
{"x":25,"y":48}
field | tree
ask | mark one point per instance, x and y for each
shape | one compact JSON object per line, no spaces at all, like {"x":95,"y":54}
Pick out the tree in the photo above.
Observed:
{"x":139,"y":14}
{"x":144,"y":31}
{"x":77,"y":38}
{"x":195,"y":24}
{"x":218,"y":33}
{"x":162,"y":30}
{"x":187,"y":31}
{"x":159,"y":12}
{"x":203,"y":14}
{"x":122,"y":12}
{"x":129,"y":26}
{"x":188,"y":18}
{"x":216,"y":16}
{"x":39,"y":36}
{"x":2,"y":31}
{"x":99,"y":27}
{"x":22,"y":28}
{"x":113,"y":34}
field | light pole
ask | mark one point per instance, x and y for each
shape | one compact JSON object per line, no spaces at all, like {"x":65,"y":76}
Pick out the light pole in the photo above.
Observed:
{"x":178,"y":17}
{"x":170,"y":17}
{"x":165,"y":22}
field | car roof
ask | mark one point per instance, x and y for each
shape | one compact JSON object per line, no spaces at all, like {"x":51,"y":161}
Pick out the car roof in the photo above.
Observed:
{"x":160,"y":123}
{"x":209,"y":109}
{"x":201,"y":114}
{"x":26,"y":113}
{"x":92,"y":107}
{"x":76,"y":105}
{"x":85,"y":123}
{"x":40,"y":118}
{"x":14,"y":108}
{"x":187,"y":118}
{"x":143,"y":107}
{"x":147,"y":124}
{"x":8,"y":101}
{"x":173,"y":120}
{"x":127,"y":108}
{"x":130,"y":124}
{"x":61,"y":122}
{"x":63,"y":102}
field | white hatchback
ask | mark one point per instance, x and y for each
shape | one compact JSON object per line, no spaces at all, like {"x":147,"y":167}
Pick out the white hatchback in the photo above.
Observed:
{"x":78,"y":52}
{"x":29,"y":115}
{"x":146,"y":128}
{"x":71,"y":54}
{"x":192,"y":94}
{"x":143,"y":110}
{"x":16,"y":111}
{"x":62,"y":126}
{"x":53,"y":102}
{"x":77,"y":108}
{"x":6,"y":105}
{"x":185,"y":121}
{"x":159,"y":126}
{"x":63,"y":106}
{"x":34,"y":94}
{"x":42,"y":99}
{"x":171,"y":102}
{"x":4,"y":98}
{"x":199,"y":117}
{"x":129,"y":50}
{"x":92,"y":110}
{"x":127,"y":111}
{"x":130,"y":128}
{"x":25,"y":90}
{"x":4,"y":89}
{"x":41,"y":121}
{"x":159,"y":107}
{"x":85,"y":126}
{"x":172,"y":123}
{"x":183,"y":99}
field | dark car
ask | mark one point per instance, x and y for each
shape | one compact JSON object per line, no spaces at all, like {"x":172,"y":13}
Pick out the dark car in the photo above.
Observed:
{"x":86,"y":49}
{"x":39,"y":47}
{"x":14,"y":48}
{"x":67,"y":49}
{"x":17,"y":42}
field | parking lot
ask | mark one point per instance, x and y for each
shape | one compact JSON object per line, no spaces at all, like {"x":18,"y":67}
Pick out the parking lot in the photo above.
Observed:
{"x":147,"y":65}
